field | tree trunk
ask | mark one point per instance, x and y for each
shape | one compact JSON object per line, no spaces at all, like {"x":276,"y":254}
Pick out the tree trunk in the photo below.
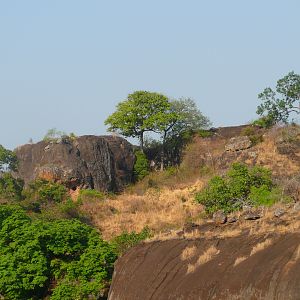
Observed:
{"x":142,"y":142}
{"x":162,"y":159}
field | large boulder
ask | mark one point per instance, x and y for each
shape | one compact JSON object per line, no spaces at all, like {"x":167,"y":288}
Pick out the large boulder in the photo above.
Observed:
{"x":104,"y":163}
{"x":241,"y":267}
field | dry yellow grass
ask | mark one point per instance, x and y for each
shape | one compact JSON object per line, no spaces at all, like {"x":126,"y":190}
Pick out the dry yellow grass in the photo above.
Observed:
{"x":261,"y":246}
{"x":161,"y":210}
{"x":207,"y":256}
{"x":188,"y":253}
{"x":239,"y":260}
{"x":171,"y":206}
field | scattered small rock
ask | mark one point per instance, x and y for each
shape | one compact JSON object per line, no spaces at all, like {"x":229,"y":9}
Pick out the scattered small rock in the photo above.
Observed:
{"x":189,"y":227}
{"x":297,"y":206}
{"x":247,"y":208}
{"x":251,"y":216}
{"x":219,"y":217}
{"x":232,"y":219}
{"x":279,"y":212}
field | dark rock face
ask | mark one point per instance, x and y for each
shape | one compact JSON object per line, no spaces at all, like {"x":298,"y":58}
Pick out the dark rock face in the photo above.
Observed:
{"x":104,"y":163}
{"x":159,"y":270}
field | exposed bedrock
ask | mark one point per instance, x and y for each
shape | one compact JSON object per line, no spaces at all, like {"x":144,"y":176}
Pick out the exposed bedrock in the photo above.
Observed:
{"x":244,"y":267}
{"x":104,"y":163}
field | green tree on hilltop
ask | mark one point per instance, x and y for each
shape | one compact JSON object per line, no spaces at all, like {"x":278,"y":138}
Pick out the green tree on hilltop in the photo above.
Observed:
{"x":280,"y":104}
{"x":141,"y":112}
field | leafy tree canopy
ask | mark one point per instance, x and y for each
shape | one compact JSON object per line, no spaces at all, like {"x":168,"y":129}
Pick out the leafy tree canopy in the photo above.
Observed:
{"x":281,"y":103}
{"x":142,"y":111}
{"x":65,"y":258}
{"x":8,"y":160}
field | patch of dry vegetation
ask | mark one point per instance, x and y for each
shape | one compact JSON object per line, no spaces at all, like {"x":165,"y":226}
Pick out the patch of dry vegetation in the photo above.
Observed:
{"x":239,"y":260}
{"x":160,"y":210}
{"x":261,"y":246}
{"x":207,"y":256}
{"x":164,"y":201}
{"x":188,"y":253}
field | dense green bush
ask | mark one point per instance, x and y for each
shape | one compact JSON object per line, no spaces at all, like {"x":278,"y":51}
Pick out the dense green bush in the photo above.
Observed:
{"x":141,"y":166}
{"x":66,"y":256}
{"x":90,"y":194}
{"x":264,"y":122}
{"x":240,"y":185}
{"x":10,"y":187}
{"x":127,"y":240}
{"x":44,"y":191}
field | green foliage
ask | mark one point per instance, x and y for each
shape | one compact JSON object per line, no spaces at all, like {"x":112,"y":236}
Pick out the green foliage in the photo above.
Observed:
{"x":141,"y":166}
{"x":253,"y":135}
{"x":228,"y":193}
{"x":34,"y":253}
{"x":280,"y":104}
{"x":10,"y":187}
{"x":53,"y":134}
{"x":142,"y":111}
{"x":43,"y":191}
{"x":189,"y":117}
{"x":205,"y":133}
{"x":90,"y":194}
{"x":127,"y":240}
{"x":264,"y":122}
{"x":8,"y":160}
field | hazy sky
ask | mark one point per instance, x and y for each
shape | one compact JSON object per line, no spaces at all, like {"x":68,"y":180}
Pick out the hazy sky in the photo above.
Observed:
{"x":66,"y":64}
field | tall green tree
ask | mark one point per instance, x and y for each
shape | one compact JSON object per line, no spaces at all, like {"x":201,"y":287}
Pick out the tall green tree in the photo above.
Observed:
{"x":278,"y":105}
{"x":141,"y":112}
{"x":8,"y":160}
{"x":182,"y":116}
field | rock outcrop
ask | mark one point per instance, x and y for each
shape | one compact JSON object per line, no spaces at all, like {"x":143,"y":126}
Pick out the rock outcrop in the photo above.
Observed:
{"x":242,"y":267}
{"x":238,"y":143}
{"x":104,"y":163}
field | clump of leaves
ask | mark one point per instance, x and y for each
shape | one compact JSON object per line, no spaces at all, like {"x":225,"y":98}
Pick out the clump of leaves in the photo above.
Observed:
{"x":127,"y":240}
{"x":141,"y":166}
{"x":10,"y":187}
{"x":253,"y":135}
{"x":44,"y":191}
{"x":90,"y":194}
{"x":34,"y":253}
{"x":240,"y":185}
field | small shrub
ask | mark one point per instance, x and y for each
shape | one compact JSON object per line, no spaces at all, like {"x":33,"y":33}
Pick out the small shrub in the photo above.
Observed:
{"x":205,"y":133}
{"x":44,"y":191}
{"x":254,"y":137}
{"x":10,"y":187}
{"x":141,"y":166}
{"x":264,"y":122}
{"x":241,"y":184}
{"x":90,"y":194}
{"x":127,"y":240}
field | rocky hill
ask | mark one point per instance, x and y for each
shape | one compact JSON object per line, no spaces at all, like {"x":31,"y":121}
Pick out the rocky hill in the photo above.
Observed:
{"x":104,"y":163}
{"x":242,"y":265}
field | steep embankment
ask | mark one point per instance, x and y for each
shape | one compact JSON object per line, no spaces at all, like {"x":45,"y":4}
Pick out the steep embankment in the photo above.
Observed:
{"x":250,"y":260}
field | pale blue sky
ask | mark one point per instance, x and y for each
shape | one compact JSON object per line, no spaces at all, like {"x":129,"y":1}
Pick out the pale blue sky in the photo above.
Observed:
{"x":67,"y":63}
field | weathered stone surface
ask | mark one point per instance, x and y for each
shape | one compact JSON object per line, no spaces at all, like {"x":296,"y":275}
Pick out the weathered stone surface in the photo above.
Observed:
{"x":238,"y":143}
{"x":219,"y":217}
{"x":104,"y":163}
{"x":251,"y":216}
{"x":156,"y":270}
{"x":279,"y":212}
{"x":232,"y":219}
